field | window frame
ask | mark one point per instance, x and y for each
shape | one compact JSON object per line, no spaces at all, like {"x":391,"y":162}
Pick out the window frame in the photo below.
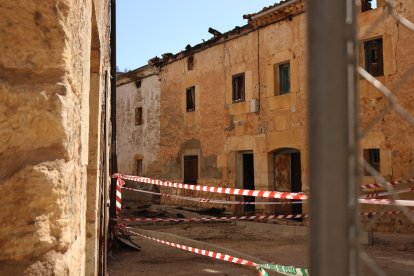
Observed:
{"x":242,"y":93}
{"x":277,"y":77}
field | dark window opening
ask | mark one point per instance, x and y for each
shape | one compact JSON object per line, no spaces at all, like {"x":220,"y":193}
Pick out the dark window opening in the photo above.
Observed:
{"x":282,"y":75}
{"x":138,"y":116}
{"x":190,"y":169}
{"x":138,"y":83}
{"x":138,"y":167}
{"x":374,"y":63}
{"x":372,"y":156}
{"x":367,"y":5}
{"x":190,"y":99}
{"x":238,"y":88}
{"x":190,"y":62}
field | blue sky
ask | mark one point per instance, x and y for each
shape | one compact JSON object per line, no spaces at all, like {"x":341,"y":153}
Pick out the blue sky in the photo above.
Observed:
{"x":147,"y":28}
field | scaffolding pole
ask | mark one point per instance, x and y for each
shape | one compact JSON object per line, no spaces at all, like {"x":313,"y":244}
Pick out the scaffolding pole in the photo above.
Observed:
{"x":332,"y":137}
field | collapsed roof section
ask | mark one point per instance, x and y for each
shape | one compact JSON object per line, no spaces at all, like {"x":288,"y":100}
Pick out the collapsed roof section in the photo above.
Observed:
{"x":284,"y":10}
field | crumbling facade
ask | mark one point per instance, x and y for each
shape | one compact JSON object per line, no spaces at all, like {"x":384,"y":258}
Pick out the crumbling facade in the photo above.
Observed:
{"x":54,"y":89}
{"x":234,"y":108}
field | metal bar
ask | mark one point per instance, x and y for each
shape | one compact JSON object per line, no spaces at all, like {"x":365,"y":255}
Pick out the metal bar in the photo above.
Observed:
{"x":332,"y":137}
{"x":114,"y":163}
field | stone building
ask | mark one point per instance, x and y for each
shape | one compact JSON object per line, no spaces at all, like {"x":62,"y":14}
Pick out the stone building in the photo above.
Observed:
{"x":234,"y":108}
{"x":54,"y":89}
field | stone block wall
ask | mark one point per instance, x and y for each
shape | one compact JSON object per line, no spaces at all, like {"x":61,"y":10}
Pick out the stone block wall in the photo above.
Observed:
{"x":53,"y":55}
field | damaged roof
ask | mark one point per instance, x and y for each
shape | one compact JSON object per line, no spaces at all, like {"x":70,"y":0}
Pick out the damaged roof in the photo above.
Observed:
{"x":279,"y":11}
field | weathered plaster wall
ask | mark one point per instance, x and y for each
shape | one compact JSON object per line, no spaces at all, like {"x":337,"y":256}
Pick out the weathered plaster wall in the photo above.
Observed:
{"x":45,"y":64}
{"x":132,"y":143}
{"x":138,"y":142}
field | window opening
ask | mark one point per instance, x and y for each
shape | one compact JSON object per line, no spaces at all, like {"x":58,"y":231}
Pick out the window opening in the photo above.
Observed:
{"x":282,"y":78}
{"x":372,"y":156}
{"x":190,"y":99}
{"x":374,"y":63}
{"x":190,"y":62}
{"x":138,"y":116}
{"x":367,"y":5}
{"x":238,"y":87}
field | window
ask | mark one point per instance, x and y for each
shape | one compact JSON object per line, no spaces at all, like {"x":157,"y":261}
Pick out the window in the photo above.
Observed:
{"x":190,"y":62}
{"x":372,"y":156}
{"x":367,"y":5}
{"x":373,"y":57}
{"x":238,"y":88}
{"x":138,"y":116}
{"x":138,"y":167}
{"x":190,"y":169}
{"x":282,"y":78}
{"x":190,"y":99}
{"x":138,"y":83}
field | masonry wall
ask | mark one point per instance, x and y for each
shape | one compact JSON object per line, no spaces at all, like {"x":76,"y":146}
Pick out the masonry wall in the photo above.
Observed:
{"x":218,"y":131}
{"x":53,"y":55}
{"x":132,"y":144}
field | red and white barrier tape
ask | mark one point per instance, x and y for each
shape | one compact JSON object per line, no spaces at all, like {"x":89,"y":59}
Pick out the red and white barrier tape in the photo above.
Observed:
{"x":214,"y":218}
{"x":217,"y":201}
{"x":384,"y":213}
{"x":119,"y":184}
{"x":392,"y":183}
{"x":211,"y":254}
{"x":220,"y":190}
{"x":409,"y":203}
{"x":387,"y":193}
{"x":202,"y":219}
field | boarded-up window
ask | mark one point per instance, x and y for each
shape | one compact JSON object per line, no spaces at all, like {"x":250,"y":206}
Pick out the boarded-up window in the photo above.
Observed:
{"x":190,"y":169}
{"x":190,"y":99}
{"x":138,"y":167}
{"x":138,"y":116}
{"x":374,"y":63}
{"x":372,"y":156}
{"x":238,"y":88}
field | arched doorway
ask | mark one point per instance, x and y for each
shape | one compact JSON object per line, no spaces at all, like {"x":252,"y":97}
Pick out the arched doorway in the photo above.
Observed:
{"x":287,"y":177}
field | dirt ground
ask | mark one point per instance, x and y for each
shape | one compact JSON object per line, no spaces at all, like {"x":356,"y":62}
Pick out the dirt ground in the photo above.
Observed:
{"x":394,"y":253}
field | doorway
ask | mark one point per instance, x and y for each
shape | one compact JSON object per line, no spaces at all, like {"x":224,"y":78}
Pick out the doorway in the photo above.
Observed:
{"x":247,"y":179}
{"x":288,"y":178}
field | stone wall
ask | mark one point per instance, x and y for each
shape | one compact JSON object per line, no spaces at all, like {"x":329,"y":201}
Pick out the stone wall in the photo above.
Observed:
{"x":53,"y":55}
{"x":132,"y":145}
{"x":219,"y":131}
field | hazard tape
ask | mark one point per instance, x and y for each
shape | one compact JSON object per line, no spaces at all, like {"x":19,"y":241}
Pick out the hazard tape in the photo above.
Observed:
{"x":220,"y":190}
{"x":217,"y":201}
{"x":213,"y":218}
{"x":408,"y":203}
{"x":392,"y":183}
{"x":385,"y":213}
{"x":262,"y":217}
{"x":221,"y":256}
{"x":387,"y":193}
{"x":118,"y":203}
